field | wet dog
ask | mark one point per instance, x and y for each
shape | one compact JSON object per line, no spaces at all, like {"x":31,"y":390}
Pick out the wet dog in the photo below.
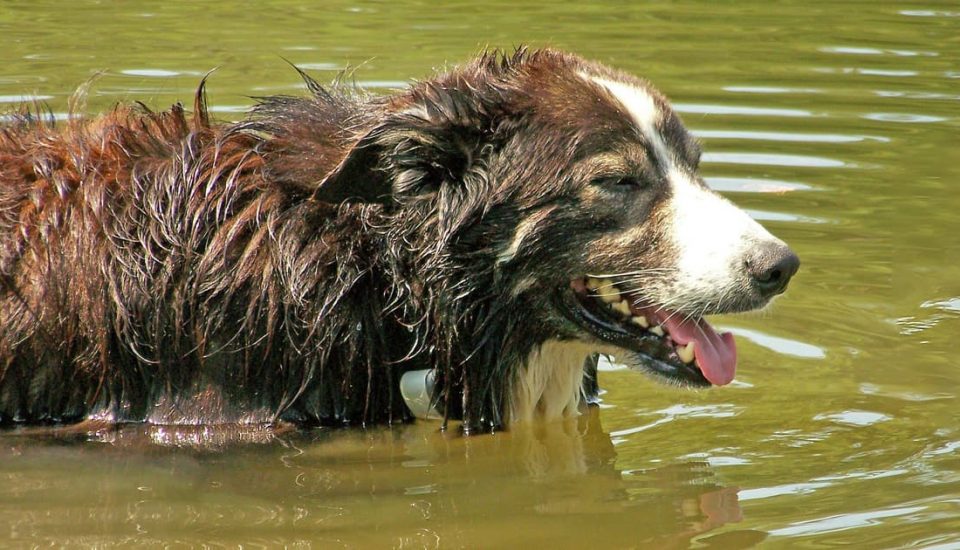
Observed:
{"x":495,"y":225}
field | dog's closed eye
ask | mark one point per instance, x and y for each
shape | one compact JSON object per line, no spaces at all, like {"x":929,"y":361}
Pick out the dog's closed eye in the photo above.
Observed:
{"x":621,"y":183}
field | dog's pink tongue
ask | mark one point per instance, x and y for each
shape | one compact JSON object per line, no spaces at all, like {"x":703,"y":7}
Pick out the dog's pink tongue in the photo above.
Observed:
{"x":715,"y":354}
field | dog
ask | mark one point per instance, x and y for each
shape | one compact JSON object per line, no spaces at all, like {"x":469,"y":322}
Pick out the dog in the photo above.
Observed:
{"x":494,"y":226}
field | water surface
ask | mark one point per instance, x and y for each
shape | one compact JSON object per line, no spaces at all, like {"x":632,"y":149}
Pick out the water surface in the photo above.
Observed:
{"x":834,"y":124}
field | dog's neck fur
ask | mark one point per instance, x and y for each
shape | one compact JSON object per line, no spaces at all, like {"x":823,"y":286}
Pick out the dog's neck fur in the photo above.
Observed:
{"x":549,"y":383}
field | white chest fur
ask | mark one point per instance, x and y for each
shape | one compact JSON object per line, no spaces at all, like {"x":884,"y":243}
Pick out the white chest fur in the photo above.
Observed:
{"x":548,"y":386}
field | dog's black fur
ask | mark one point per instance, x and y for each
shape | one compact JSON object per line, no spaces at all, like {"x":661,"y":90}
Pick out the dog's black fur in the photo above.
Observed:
{"x":161,"y":267}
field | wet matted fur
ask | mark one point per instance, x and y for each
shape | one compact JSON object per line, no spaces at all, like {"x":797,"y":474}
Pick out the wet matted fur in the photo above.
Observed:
{"x":165,"y":268}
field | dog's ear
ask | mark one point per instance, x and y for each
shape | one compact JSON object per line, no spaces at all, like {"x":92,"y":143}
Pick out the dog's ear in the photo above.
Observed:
{"x":358,"y":177}
{"x":430,"y":137}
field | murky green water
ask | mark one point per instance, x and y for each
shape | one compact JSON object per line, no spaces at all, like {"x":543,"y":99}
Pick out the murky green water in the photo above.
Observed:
{"x":836,"y":124}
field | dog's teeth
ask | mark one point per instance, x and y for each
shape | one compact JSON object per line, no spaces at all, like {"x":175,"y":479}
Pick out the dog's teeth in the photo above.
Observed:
{"x":640,"y":320}
{"x":658,"y":330}
{"x":593,"y":283}
{"x":608,"y":292}
{"x":686,"y":352}
{"x":623,"y":307}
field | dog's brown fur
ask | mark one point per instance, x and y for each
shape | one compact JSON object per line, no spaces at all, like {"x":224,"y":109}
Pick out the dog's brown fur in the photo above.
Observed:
{"x":158,"y":266}
{"x":148,"y":255}
{"x":161,"y":267}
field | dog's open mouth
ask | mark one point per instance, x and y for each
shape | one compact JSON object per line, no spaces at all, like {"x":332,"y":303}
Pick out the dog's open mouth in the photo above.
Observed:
{"x":668,"y":344}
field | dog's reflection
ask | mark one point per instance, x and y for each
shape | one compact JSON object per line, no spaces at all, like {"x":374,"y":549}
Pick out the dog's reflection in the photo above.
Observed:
{"x":541,"y":479}
{"x":569,"y":471}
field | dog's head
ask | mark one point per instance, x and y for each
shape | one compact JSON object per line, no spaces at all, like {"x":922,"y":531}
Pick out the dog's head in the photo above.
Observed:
{"x":576,"y":187}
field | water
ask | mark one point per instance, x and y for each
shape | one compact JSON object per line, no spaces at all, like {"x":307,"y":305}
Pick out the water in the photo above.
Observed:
{"x":835,"y":124}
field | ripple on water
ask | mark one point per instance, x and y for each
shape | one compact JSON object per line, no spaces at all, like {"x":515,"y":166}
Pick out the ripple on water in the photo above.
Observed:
{"x":867,"y":388}
{"x":881,"y":72}
{"x":57,"y":117}
{"x":903,"y":117}
{"x":948,"y":448}
{"x":159,"y":73}
{"x":676,"y":412}
{"x":866,"y":71}
{"x":321,"y":66}
{"x":384,"y":84}
{"x":755,"y":185}
{"x":228,"y":108}
{"x":717,"y":461}
{"x":770,"y":90}
{"x":945,"y":309}
{"x":785,"y":136}
{"x":21,"y":80}
{"x":843,"y":522}
{"x":911,"y":325}
{"x":769,"y":216}
{"x":710,"y":109}
{"x":950,"y":305}
{"x":719,"y":410}
{"x":27,"y":98}
{"x":780,"y":490}
{"x":854,"y":418}
{"x":718,"y":457}
{"x":930,"y":13}
{"x":420,"y":489}
{"x":773,"y":159}
{"x":862,"y":50}
{"x":780,"y":345}
{"x":916,"y":95}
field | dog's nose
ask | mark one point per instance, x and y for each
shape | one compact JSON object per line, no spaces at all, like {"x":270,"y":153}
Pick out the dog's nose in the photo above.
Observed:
{"x":771,"y":267}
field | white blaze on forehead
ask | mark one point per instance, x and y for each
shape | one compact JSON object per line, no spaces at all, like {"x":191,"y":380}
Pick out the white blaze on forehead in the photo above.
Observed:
{"x":644,"y":112}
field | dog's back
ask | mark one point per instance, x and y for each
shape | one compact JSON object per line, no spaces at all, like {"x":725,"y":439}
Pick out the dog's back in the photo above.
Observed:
{"x":72,"y":221}
{"x":154,"y":266}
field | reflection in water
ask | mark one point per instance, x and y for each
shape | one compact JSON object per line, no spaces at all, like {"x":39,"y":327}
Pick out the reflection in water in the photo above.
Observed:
{"x":411,"y":483}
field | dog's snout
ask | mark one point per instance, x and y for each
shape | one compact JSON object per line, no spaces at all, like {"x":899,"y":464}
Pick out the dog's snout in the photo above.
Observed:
{"x":771,"y":267}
